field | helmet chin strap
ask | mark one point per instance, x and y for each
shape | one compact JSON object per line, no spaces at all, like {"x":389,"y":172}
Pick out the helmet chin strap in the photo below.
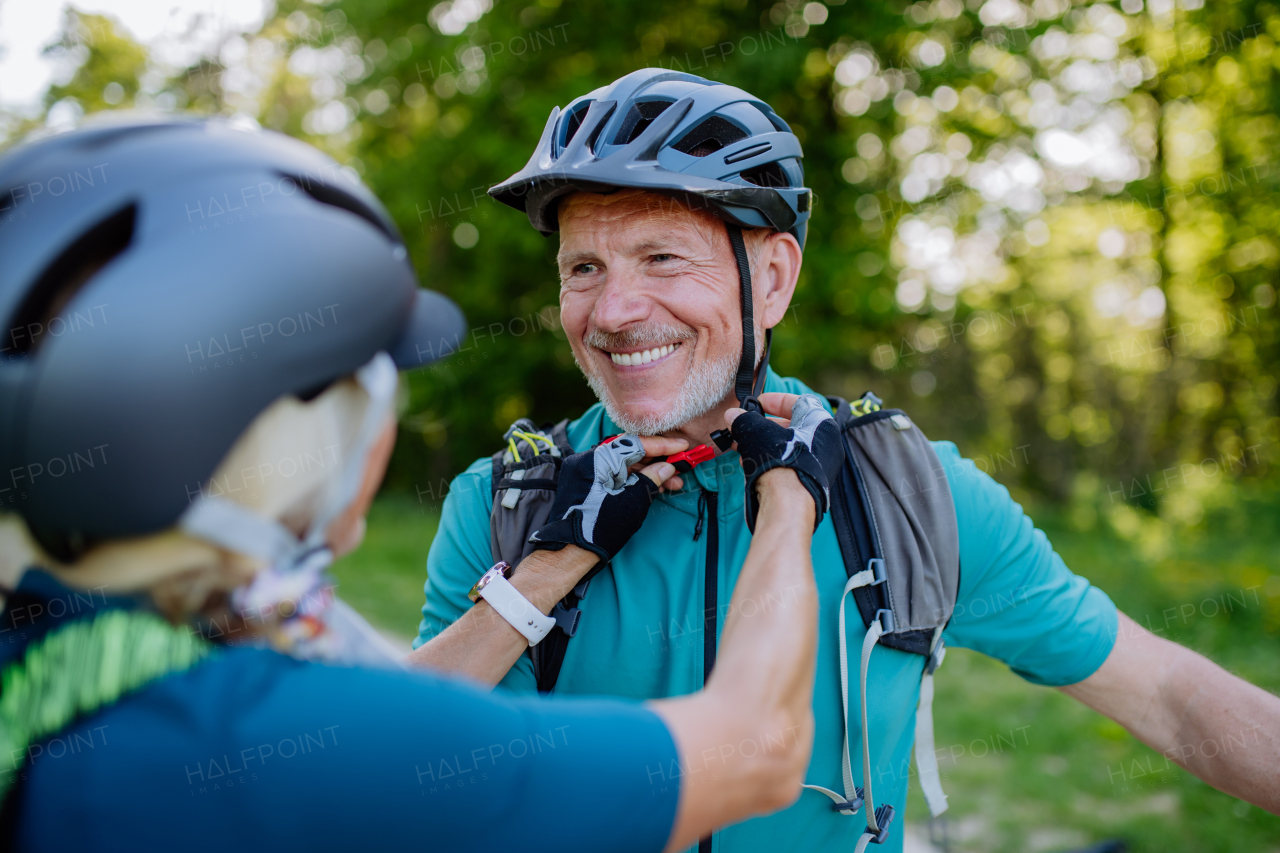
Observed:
{"x":749,"y":383}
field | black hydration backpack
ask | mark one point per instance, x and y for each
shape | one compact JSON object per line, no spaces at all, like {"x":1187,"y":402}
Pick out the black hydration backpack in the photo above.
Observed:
{"x":896,"y":525}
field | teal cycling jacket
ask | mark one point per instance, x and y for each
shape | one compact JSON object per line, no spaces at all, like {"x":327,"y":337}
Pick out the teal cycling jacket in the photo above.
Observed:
{"x":642,"y":629}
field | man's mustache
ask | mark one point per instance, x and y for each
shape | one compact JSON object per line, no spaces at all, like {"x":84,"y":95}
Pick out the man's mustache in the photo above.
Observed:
{"x":638,"y":336}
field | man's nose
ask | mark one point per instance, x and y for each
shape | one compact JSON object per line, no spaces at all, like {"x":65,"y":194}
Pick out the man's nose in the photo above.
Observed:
{"x":622,"y":301}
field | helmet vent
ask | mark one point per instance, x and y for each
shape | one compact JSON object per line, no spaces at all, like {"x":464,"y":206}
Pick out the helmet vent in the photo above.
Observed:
{"x":709,"y":137}
{"x":574,"y":121}
{"x":335,"y":196}
{"x":768,"y":175}
{"x":67,"y":275}
{"x":639,"y":117}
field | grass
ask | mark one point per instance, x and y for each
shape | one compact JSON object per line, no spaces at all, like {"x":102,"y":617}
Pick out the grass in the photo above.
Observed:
{"x":384,"y":577}
{"x":1027,"y":769}
{"x":1036,"y":771}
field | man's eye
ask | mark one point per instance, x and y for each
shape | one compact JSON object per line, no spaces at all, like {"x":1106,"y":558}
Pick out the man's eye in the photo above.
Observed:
{"x":585,"y":269}
{"x":663,"y":256}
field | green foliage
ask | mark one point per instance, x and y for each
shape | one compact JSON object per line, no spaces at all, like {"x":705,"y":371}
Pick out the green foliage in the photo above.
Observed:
{"x":383,"y":579}
{"x":1042,"y":347}
{"x":111,"y":64}
{"x":1048,"y":230}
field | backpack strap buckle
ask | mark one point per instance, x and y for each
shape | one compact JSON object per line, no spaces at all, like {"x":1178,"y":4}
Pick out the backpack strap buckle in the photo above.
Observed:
{"x":886,"y":620}
{"x":935,"y":657}
{"x":849,"y":806}
{"x":567,"y":618}
{"x":884,"y":817}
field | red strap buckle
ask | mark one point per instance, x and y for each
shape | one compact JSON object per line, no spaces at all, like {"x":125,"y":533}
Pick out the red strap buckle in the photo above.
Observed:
{"x":686,"y":461}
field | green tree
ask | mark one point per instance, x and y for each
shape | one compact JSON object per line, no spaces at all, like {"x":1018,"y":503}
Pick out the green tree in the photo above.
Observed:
{"x":111,"y":64}
{"x":1047,"y":229}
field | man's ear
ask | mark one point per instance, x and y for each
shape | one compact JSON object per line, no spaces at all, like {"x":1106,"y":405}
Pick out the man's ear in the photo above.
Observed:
{"x":778,"y":271}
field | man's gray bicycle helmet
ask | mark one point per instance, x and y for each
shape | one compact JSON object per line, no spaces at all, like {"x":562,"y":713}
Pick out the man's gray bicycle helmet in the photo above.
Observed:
{"x":164,"y":281}
{"x":711,"y":145}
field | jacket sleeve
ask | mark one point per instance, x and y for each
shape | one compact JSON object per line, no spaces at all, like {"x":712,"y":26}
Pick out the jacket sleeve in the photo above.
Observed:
{"x":459,"y":555}
{"x":1018,"y":601}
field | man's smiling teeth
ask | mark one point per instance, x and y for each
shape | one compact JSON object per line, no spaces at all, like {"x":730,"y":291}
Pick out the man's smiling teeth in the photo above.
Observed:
{"x":630,"y":359}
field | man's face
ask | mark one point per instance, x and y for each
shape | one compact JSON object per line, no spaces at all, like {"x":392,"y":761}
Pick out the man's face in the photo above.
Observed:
{"x":649,"y":300}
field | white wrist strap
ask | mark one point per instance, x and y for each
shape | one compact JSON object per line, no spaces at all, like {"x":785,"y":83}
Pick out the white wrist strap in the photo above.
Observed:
{"x":516,"y":609}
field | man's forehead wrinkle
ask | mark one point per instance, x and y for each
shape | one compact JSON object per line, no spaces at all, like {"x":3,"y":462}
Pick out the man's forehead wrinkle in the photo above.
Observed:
{"x":582,"y":205}
{"x":695,"y":232}
{"x":631,"y":202}
{"x":634,"y":236}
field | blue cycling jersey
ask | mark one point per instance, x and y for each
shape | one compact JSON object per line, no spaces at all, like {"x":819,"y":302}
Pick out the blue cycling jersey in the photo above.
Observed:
{"x":251,"y":750}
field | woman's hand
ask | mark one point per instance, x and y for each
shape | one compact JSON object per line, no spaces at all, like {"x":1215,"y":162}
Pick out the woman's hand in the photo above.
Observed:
{"x":776,"y":405}
{"x":807,"y":441}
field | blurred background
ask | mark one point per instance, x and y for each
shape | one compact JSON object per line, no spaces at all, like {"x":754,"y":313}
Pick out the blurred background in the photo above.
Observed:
{"x":1048,"y":230}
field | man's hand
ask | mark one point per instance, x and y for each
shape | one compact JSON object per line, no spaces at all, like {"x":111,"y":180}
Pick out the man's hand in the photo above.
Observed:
{"x":481,"y":644}
{"x":599,"y":504}
{"x":1218,"y":726}
{"x":808,"y":443}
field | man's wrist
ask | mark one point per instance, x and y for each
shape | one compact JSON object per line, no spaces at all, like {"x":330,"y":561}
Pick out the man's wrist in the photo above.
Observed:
{"x":568,"y":560}
{"x":545,"y":577}
{"x":780,"y":490}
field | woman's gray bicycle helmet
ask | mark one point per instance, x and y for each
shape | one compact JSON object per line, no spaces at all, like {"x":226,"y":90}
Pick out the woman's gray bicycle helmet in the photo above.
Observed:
{"x":164,"y":281}
{"x":711,"y":145}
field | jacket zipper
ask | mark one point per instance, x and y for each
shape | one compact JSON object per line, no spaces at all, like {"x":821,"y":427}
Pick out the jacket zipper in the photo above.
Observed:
{"x":710,"y":587}
{"x":710,"y":592}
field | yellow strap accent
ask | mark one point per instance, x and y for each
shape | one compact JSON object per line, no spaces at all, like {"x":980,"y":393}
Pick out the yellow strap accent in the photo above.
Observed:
{"x":533,"y":438}
{"x":863,"y":407}
{"x":530,"y":438}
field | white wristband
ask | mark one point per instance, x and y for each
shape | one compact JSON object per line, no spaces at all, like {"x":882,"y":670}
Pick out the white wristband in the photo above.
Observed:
{"x":512,"y":606}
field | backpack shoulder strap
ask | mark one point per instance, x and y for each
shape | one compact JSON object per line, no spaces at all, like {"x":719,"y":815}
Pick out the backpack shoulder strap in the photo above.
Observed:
{"x":895,"y":521}
{"x":525,"y":476}
{"x":841,"y":410}
{"x":893,"y":514}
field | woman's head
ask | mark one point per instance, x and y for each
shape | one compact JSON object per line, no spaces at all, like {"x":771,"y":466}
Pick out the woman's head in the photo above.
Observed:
{"x":197,"y":395}
{"x":304,"y":469}
{"x":157,"y":329}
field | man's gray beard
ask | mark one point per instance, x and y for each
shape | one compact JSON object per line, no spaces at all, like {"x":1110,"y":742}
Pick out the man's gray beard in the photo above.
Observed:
{"x":706,"y":386}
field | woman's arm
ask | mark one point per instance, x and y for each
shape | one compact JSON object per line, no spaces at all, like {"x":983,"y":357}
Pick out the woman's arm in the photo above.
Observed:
{"x":745,"y":740}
